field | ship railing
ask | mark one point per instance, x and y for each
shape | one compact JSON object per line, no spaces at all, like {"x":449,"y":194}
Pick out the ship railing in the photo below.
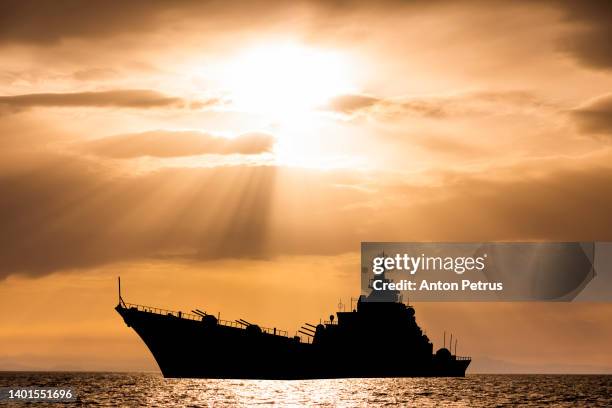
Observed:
{"x":463,"y":358}
{"x":331,"y":322}
{"x":278,"y":332}
{"x":191,"y":316}
{"x":268,"y":330}
{"x":157,"y":310}
{"x":229,"y":323}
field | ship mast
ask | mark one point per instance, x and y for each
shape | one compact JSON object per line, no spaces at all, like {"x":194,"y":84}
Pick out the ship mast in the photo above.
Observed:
{"x":121,"y":302}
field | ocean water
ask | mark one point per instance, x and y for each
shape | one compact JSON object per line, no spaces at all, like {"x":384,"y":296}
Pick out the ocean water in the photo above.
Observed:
{"x":152,"y":390}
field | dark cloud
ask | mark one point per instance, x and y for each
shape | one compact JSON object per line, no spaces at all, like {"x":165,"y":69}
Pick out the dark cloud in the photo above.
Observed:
{"x":65,"y":213}
{"x":32,"y":21}
{"x":438,"y":107}
{"x":525,"y":202}
{"x":589,"y":41}
{"x":41,"y":22}
{"x":595,"y":117}
{"x":349,"y":104}
{"x":130,"y":98}
{"x":165,"y":143}
{"x":356,"y":104}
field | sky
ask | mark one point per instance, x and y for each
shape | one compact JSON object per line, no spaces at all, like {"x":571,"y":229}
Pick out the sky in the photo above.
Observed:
{"x":231,"y":156}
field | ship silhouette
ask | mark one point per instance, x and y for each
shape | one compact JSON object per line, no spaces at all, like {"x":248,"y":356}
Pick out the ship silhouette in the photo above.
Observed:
{"x":379,"y":338}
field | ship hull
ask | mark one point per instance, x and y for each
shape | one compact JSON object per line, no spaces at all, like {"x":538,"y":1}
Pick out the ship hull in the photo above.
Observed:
{"x":186,"y":348}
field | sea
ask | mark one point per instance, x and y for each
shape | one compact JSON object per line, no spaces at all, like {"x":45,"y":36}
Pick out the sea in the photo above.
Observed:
{"x":152,"y":390}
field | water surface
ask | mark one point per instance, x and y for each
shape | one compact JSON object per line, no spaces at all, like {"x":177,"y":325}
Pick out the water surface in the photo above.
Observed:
{"x":151,"y":389}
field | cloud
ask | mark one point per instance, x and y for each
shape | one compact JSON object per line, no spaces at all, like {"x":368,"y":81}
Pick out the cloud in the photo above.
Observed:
{"x":43,"y":23}
{"x":449,"y":146}
{"x":61,"y":213}
{"x":439,"y":106}
{"x":89,"y":74}
{"x":130,"y":98}
{"x":349,"y":104}
{"x":595,"y":116}
{"x":35,"y":22}
{"x":166,"y":143}
{"x":68,"y":213}
{"x":31,"y":21}
{"x":589,"y":41}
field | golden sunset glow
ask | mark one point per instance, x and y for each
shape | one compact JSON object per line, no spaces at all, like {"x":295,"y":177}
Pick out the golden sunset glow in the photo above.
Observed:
{"x":233,"y":156}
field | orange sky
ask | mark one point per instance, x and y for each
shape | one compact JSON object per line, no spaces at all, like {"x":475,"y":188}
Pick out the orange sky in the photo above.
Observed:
{"x":232,"y":157}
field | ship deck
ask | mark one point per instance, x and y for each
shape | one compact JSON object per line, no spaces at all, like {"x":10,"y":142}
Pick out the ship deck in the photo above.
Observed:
{"x":196,"y":317}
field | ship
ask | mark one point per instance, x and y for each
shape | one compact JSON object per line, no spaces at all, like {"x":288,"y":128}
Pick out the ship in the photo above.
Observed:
{"x":378,"y":338}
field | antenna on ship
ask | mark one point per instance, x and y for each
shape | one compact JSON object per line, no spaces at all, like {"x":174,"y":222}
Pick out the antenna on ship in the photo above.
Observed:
{"x":450,"y":345}
{"x":352,"y":300}
{"x":455,"y":346}
{"x":444,"y":340}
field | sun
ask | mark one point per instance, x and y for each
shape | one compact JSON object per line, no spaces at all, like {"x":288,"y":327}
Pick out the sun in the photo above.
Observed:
{"x":286,"y":79}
